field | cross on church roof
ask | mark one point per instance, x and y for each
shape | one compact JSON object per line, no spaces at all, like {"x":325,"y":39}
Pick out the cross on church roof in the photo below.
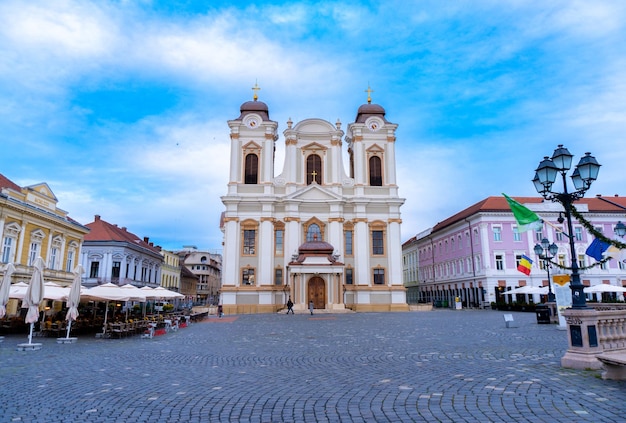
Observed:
{"x":369,"y":92}
{"x":255,"y":89}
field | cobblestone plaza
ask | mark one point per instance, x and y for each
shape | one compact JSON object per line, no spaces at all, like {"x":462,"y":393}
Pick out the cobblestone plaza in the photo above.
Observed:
{"x":440,"y":366}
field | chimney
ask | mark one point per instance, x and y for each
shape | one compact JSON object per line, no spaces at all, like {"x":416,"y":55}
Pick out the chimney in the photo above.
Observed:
{"x":124,"y":228}
{"x":97,"y":218}
{"x":146,"y":239}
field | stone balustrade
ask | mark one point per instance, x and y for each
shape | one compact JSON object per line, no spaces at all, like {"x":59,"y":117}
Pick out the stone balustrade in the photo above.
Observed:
{"x":597,"y":329}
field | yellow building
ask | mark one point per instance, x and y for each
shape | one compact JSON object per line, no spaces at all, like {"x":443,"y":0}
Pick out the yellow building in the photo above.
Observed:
{"x":170,"y":271}
{"x":31,"y":225}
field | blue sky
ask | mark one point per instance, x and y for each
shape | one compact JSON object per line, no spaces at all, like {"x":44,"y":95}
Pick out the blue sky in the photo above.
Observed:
{"x":121,"y":106}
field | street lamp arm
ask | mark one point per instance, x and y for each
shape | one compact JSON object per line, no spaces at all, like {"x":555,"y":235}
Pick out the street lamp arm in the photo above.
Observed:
{"x":587,"y":225}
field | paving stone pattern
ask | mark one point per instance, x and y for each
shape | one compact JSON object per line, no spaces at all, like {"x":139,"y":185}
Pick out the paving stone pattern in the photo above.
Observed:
{"x":440,"y":366}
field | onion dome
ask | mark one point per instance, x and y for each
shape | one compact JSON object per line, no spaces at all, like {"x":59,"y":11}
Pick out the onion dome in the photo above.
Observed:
{"x":368,"y":110}
{"x":256,"y":107}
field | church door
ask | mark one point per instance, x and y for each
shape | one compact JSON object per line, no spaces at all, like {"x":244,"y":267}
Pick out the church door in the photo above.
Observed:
{"x":317,"y":292}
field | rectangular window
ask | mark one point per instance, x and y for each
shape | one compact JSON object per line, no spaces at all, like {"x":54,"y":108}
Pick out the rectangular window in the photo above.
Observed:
{"x":499,"y":262}
{"x":279,"y":235}
{"x":377,"y":243}
{"x":7,"y":249}
{"x":559,"y":235}
{"x":93,"y":272}
{"x":348,"y":236}
{"x":581,"y":260}
{"x":561,"y":259}
{"x":249,"y":238}
{"x":53,"y":258}
{"x":517,"y":236}
{"x":578,"y":233}
{"x":518,"y":260}
{"x":349,"y":277}
{"x":538,"y":235}
{"x":70,"y":261}
{"x":33,"y":253}
{"x":497,"y":233}
{"x":247,"y":276}
{"x":278,"y":276}
{"x":379,"y":276}
{"x":115,"y":269}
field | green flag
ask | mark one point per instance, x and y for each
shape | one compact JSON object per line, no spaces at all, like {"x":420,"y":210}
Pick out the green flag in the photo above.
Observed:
{"x":526,"y":218}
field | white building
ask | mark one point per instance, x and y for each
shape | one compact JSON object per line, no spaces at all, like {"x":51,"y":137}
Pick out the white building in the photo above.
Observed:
{"x":112,"y":254}
{"x":315,"y":232}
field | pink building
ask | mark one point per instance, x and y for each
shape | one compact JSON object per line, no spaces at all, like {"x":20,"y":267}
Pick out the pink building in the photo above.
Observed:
{"x":474,"y":254}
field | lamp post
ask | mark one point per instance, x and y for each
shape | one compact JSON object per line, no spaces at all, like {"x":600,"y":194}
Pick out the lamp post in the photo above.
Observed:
{"x":546,"y":252}
{"x":585,"y":172}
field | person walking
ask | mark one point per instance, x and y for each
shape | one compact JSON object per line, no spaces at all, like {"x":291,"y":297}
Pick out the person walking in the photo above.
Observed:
{"x":290,"y":306}
{"x":311,"y":307}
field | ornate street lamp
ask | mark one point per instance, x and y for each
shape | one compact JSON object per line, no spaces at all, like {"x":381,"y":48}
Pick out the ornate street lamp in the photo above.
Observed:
{"x":546,"y":252}
{"x":585,"y":172}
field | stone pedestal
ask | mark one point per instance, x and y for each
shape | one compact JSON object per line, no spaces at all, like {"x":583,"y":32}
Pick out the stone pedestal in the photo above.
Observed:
{"x":582,"y":338}
{"x":66,"y":340}
{"x":28,"y":347}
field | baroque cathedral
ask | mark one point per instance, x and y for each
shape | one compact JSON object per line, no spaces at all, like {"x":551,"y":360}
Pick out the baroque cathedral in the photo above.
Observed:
{"x":316,"y":232}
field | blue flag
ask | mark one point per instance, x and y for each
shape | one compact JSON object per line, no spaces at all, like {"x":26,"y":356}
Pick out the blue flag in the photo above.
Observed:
{"x":596,"y":248}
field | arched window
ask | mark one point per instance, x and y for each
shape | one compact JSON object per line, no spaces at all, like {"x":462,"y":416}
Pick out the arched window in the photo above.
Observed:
{"x":252,"y":169}
{"x":313,"y":169}
{"x":313,"y":233}
{"x":376,"y":172}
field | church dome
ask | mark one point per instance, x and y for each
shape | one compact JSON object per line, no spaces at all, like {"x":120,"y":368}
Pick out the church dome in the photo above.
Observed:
{"x":256,"y":107}
{"x":368,"y":110}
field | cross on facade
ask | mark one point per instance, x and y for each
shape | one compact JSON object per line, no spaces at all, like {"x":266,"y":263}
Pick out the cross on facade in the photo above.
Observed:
{"x":314,"y":174}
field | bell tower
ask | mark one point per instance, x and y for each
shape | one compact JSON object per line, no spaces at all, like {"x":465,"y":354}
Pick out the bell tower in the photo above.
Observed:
{"x":252,"y":143}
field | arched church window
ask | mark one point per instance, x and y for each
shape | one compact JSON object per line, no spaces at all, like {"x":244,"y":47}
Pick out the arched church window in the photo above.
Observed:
{"x":313,"y":169}
{"x":313,"y":233}
{"x":251,"y":169}
{"x":376,"y":171}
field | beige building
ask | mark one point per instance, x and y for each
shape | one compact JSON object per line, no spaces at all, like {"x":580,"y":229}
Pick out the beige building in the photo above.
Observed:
{"x":31,"y":225}
{"x":207,"y":267}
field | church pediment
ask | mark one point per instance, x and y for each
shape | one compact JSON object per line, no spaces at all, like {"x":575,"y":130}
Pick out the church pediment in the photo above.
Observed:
{"x":314,"y":192}
{"x":375,"y":149}
{"x":314,"y":126}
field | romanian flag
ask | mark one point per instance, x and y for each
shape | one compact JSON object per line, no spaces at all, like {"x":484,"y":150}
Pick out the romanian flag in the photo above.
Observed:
{"x":526,"y":218}
{"x":524,"y":265}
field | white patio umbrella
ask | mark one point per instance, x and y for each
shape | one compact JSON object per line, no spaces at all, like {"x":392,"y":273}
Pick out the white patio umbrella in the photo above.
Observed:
{"x":543,"y":290}
{"x":166,"y":294}
{"x":135,"y":293}
{"x":5,"y":288}
{"x":34,"y":295}
{"x":603,"y":287}
{"x":17,"y":291}
{"x":106,"y":292}
{"x":56,"y":292}
{"x":73,"y":299}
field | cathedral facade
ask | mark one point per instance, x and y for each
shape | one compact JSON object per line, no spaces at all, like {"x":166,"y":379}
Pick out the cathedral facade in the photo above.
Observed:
{"x":316,"y":232}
